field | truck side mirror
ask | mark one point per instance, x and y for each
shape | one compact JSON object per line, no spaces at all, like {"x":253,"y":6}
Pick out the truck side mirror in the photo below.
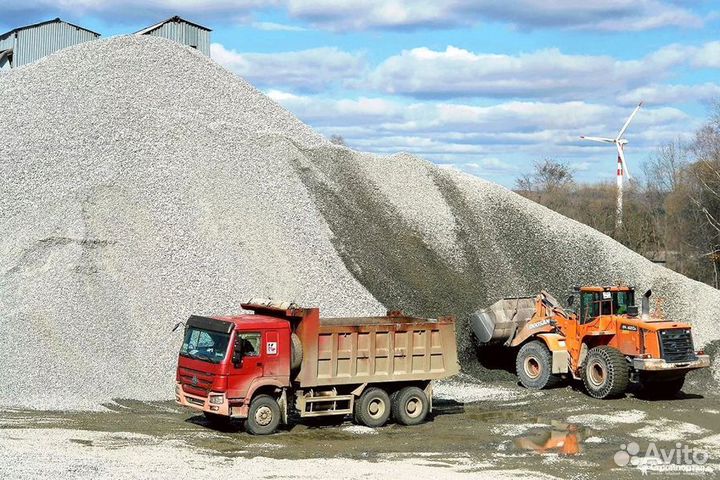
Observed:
{"x":571,"y":300}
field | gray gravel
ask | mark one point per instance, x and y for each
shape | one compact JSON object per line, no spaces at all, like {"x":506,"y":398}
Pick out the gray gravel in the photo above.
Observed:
{"x":141,"y":182}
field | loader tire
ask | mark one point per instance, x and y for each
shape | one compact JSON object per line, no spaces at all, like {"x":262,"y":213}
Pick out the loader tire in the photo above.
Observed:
{"x":661,"y":389}
{"x":373,"y":408}
{"x":605,"y":372}
{"x":410,"y":406}
{"x":263,"y":416}
{"x":533,"y":366}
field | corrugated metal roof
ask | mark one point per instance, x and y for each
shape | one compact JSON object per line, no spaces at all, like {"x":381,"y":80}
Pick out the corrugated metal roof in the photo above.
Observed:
{"x":15,"y":30}
{"x":171,"y":19}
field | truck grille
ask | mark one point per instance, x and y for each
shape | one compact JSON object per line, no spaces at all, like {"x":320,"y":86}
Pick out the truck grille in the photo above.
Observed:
{"x":676,"y":345}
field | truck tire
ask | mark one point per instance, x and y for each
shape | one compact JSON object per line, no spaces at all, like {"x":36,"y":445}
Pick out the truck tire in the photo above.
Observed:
{"x":661,"y":388}
{"x":605,"y":372}
{"x":410,"y":406}
{"x":296,"y":355}
{"x":264,"y":416}
{"x":533,"y":366}
{"x":373,"y":408}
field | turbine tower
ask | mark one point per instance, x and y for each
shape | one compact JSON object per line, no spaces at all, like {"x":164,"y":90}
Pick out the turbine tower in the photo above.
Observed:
{"x":622,"y":168}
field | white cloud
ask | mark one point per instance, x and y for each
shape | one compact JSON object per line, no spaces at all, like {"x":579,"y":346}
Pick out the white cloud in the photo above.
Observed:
{"x":304,"y":70}
{"x":615,"y":15}
{"x":277,"y":27}
{"x":456,"y":72}
{"x":342,"y":15}
{"x":659,"y":94}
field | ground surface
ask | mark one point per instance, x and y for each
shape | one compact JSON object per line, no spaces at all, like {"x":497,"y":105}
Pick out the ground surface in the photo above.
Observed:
{"x":496,"y":430}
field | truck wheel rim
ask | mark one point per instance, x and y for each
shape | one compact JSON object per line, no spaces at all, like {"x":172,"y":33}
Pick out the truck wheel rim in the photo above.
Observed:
{"x":414,"y":407}
{"x":597,"y":374}
{"x":376,"y":408}
{"x":532,"y":367}
{"x":263,"y":416}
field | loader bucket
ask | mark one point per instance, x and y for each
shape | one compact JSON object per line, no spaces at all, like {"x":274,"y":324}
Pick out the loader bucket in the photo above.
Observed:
{"x":501,"y":320}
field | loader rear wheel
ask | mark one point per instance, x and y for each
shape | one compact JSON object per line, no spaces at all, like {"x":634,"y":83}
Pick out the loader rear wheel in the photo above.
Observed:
{"x":410,"y":406}
{"x":373,"y":408}
{"x":264,"y":416}
{"x":533,"y":366}
{"x":662,"y":388}
{"x":605,"y":372}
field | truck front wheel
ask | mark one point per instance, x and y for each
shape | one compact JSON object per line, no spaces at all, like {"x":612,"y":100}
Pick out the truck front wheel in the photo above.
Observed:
{"x":372,"y":409}
{"x":605,"y":372}
{"x":534,"y":366}
{"x":410,"y":406}
{"x":264,"y":416}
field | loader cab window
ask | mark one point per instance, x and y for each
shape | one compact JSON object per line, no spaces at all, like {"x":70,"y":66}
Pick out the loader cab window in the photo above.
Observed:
{"x":595,"y":304}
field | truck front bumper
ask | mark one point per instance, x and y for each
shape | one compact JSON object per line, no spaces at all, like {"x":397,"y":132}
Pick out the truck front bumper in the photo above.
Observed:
{"x":660,"y":365}
{"x":219,"y":404}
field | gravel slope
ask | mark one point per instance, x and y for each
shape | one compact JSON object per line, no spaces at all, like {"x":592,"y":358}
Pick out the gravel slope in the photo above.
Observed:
{"x":142,"y":182}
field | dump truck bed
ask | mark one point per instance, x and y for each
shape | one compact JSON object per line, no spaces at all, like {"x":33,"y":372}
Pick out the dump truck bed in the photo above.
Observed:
{"x":356,"y":350}
{"x":502,"y":319}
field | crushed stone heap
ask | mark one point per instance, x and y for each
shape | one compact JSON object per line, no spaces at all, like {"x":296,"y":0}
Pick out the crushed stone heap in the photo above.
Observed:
{"x":141,"y":182}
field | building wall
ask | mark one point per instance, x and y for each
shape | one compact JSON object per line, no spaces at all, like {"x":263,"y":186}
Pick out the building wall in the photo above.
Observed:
{"x":185,"y":34}
{"x":37,"y":42}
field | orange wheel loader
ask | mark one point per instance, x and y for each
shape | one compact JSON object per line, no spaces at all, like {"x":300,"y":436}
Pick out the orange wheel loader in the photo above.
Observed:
{"x":607,"y":343}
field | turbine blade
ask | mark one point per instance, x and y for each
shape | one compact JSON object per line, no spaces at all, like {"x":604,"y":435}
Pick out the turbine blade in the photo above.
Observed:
{"x":598,"y":139}
{"x":621,"y":153}
{"x":622,"y":130}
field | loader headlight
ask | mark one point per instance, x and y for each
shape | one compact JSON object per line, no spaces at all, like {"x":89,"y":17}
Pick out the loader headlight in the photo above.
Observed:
{"x":216,"y":399}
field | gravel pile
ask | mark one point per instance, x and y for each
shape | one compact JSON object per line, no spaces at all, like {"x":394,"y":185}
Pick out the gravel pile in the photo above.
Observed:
{"x":142,"y":182}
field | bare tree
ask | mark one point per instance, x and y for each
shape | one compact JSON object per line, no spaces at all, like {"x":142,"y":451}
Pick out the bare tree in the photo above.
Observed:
{"x":338,"y":140}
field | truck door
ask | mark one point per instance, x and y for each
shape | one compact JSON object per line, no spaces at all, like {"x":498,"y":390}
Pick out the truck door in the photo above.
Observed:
{"x":250,"y":366}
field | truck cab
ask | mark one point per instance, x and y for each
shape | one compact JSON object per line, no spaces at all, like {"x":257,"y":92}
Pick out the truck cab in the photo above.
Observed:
{"x":223,"y":361}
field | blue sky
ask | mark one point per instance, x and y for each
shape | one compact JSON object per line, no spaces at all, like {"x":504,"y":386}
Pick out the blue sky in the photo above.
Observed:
{"x":483,"y":86}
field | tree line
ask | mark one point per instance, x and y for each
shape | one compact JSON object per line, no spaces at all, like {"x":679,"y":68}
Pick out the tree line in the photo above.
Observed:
{"x":671,"y":215}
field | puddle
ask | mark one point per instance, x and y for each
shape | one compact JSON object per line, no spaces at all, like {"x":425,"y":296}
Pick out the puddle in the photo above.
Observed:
{"x":558,"y":438}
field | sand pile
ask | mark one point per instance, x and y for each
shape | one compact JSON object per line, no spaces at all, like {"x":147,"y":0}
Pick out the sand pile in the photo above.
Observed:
{"x":142,"y":182}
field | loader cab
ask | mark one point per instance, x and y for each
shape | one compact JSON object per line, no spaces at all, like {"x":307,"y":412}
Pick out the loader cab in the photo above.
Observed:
{"x":604,"y":301}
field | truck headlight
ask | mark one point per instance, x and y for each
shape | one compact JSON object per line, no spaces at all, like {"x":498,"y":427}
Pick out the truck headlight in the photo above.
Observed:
{"x":216,"y":399}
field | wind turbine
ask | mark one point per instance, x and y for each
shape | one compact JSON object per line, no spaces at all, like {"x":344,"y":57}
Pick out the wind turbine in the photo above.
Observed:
{"x":622,"y":167}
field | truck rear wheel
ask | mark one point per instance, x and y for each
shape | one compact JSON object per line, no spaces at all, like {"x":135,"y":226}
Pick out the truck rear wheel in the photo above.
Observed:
{"x":264,"y":416}
{"x":410,"y":406}
{"x":372,"y":409}
{"x":533,"y":366}
{"x":661,"y":388}
{"x":605,"y":372}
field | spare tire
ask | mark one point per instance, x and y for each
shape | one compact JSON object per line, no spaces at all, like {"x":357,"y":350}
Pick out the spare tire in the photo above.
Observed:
{"x":296,"y":355}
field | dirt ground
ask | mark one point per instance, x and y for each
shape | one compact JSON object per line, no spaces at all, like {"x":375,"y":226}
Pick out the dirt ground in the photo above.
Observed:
{"x":477,"y":430}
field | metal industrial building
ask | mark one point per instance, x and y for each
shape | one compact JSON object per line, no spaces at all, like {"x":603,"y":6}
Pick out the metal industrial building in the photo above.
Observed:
{"x":32,"y":42}
{"x":182,"y":31}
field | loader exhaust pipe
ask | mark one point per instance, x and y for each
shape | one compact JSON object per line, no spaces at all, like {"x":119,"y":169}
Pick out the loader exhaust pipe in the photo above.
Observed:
{"x":646,"y":305}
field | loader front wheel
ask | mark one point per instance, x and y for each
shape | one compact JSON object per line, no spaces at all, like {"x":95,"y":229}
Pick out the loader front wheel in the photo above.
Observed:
{"x":534,"y":366}
{"x":605,"y":372}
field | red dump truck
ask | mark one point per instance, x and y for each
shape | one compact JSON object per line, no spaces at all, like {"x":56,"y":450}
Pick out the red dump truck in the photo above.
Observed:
{"x":257,"y":366}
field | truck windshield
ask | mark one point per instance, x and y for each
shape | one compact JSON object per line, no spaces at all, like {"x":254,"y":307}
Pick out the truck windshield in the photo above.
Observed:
{"x":205,"y":345}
